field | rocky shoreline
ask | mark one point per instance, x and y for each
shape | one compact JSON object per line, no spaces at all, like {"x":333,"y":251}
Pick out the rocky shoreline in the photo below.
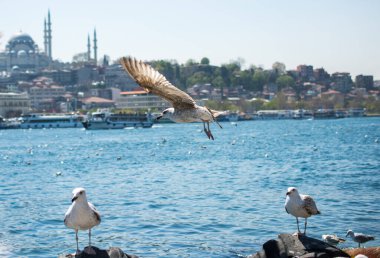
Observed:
{"x":285,"y":246}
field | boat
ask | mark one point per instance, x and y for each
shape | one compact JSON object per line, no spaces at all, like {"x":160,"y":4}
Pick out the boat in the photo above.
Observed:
{"x":302,"y":114}
{"x":38,"y":121}
{"x":108,"y":120}
{"x":357,"y":112}
{"x":274,"y":114}
{"x":9,"y":123}
{"x":328,"y":114}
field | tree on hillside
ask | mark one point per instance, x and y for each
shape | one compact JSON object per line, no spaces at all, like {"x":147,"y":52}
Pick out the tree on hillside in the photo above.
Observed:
{"x":259,"y":79}
{"x":198,"y":78}
{"x":190,"y":62}
{"x":285,"y":81}
{"x":279,"y":68}
{"x":205,"y":61}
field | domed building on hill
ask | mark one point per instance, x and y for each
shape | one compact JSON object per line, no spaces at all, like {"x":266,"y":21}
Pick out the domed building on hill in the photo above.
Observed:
{"x":21,"y":52}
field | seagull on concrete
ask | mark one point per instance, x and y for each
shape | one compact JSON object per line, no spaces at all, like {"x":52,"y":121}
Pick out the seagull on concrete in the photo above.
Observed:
{"x":82,"y":215}
{"x":359,"y":238}
{"x":333,"y":239}
{"x":300,"y":205}
{"x":184,"y":109}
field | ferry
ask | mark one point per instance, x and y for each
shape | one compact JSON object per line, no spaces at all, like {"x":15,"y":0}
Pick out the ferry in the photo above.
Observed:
{"x":38,"y":121}
{"x":9,"y":123}
{"x":108,"y":120}
{"x":328,"y":114}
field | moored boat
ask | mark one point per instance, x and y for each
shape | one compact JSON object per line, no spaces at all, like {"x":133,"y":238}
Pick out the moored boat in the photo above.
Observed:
{"x":38,"y":121}
{"x":108,"y":120}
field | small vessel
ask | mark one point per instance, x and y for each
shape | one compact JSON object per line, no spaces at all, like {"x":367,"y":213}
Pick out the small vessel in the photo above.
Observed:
{"x":328,"y":114}
{"x":108,"y":120}
{"x":38,"y":121}
{"x":302,"y":114}
{"x":9,"y":123}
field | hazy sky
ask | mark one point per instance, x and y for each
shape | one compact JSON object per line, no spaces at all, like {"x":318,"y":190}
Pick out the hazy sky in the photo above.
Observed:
{"x":339,"y":35}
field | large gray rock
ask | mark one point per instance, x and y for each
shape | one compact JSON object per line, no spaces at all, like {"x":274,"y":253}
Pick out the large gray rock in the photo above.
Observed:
{"x":298,"y":246}
{"x":113,"y":252}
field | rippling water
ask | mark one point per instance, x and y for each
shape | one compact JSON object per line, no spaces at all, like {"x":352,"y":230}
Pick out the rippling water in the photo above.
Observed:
{"x":168,"y":191}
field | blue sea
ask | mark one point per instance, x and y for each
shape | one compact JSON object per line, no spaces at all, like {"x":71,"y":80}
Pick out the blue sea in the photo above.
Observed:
{"x":168,"y":191}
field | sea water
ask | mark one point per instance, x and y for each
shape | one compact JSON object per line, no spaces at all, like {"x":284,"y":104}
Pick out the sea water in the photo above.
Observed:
{"x":168,"y":191}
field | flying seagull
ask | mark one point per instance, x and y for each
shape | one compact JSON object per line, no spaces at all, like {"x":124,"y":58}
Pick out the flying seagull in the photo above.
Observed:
{"x":82,"y":215}
{"x":359,"y":238}
{"x":184,"y":109}
{"x":300,"y":205}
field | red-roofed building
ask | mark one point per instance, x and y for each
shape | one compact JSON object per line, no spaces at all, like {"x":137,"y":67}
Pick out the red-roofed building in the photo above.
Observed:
{"x":96,"y":102}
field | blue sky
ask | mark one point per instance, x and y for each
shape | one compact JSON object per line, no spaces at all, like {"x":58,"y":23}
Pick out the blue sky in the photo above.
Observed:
{"x":339,"y":35}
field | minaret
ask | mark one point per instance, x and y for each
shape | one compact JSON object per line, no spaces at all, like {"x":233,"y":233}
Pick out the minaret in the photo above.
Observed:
{"x":45,"y":38}
{"x":95,"y":48}
{"x":88,"y":49}
{"x":49,"y":36}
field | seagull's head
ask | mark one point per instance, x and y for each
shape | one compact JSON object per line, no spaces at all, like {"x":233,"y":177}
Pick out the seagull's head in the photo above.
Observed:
{"x":79,"y":194}
{"x":350,"y":233}
{"x":292,"y":191}
{"x":167,"y":113}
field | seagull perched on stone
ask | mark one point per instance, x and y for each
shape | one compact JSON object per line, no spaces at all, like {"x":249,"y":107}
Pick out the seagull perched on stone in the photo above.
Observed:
{"x":184,"y":109}
{"x":359,"y":238}
{"x":300,"y":205}
{"x":333,"y":239}
{"x":82,"y":215}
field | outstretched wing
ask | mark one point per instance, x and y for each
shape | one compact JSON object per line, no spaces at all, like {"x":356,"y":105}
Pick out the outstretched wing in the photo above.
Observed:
{"x":310,"y":205}
{"x":152,"y":81}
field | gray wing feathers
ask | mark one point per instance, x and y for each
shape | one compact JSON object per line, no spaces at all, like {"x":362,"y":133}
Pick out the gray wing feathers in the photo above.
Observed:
{"x":152,"y":81}
{"x":96,"y":213}
{"x":310,"y":205}
{"x":363,"y":238}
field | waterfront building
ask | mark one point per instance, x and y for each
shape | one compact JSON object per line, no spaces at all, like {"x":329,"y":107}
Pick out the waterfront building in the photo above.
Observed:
{"x":305,"y":72}
{"x":321,"y":76}
{"x":364,"y":81}
{"x":341,"y":82}
{"x":140,"y":99}
{"x":96,"y":102}
{"x":44,"y":92}
{"x":14,"y":104}
{"x":115,"y":76}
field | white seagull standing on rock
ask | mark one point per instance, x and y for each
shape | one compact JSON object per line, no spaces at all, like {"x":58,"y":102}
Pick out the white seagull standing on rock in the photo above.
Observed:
{"x":359,"y":238}
{"x":300,"y":205}
{"x":82,"y":215}
{"x":184,"y":109}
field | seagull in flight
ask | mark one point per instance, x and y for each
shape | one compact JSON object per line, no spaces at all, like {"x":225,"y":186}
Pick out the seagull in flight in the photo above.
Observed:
{"x":300,"y":205}
{"x":184,"y":109}
{"x":82,"y":215}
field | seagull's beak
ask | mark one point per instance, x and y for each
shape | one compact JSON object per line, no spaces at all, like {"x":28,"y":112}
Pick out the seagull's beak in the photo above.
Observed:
{"x":74,"y":198}
{"x":159,"y":117}
{"x":287,"y":193}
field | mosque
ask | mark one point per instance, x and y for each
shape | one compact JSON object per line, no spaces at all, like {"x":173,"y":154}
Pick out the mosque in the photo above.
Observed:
{"x":23,"y":54}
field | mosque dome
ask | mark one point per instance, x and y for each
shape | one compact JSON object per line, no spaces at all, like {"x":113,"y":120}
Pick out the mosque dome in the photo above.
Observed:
{"x":21,"y":38}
